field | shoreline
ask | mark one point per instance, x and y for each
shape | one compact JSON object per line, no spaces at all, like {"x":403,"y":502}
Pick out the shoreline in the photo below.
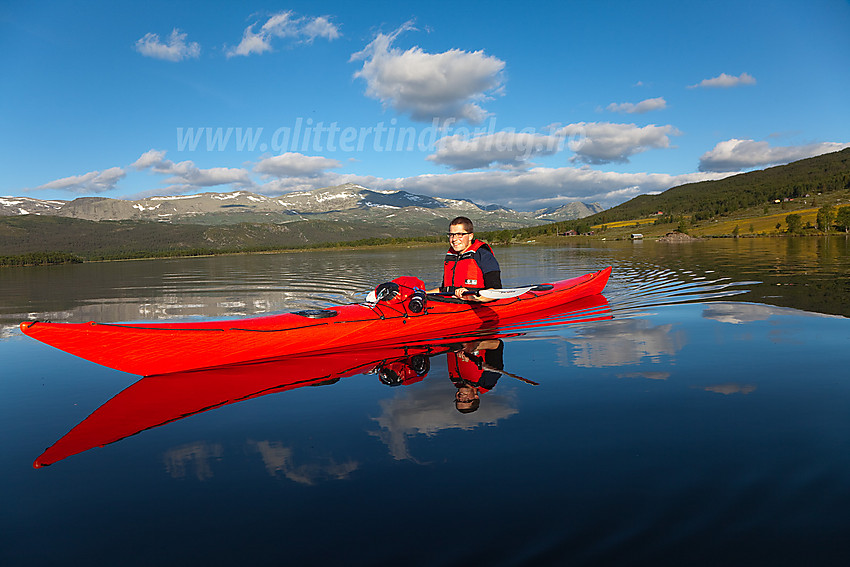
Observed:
{"x":547,"y":239}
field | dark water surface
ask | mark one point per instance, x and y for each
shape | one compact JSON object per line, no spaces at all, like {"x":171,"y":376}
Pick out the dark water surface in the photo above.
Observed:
{"x":703,"y":420}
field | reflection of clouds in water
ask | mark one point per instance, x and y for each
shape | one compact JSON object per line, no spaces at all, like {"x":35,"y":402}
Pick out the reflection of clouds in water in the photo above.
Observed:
{"x":279,"y":459}
{"x":429,"y":408}
{"x":646,"y":375}
{"x":8,"y":331}
{"x":196,"y":459}
{"x":179,"y":461}
{"x":624,"y":341}
{"x":170,"y":306}
{"x":730,"y":388}
{"x":177,"y":307}
{"x":737,"y":313}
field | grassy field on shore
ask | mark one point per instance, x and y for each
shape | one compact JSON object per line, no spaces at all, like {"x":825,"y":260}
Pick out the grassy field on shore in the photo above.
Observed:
{"x":760,"y":225}
{"x":765,"y":220}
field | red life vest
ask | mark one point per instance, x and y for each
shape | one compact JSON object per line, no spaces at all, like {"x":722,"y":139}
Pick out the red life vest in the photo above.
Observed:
{"x":461,"y":270}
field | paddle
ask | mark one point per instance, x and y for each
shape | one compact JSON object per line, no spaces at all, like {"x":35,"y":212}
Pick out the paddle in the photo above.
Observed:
{"x":507,"y":293}
{"x":485,"y":366}
{"x":520,"y":378}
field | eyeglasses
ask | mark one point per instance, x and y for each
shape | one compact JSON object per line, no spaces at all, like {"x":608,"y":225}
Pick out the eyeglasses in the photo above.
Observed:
{"x":457,"y":234}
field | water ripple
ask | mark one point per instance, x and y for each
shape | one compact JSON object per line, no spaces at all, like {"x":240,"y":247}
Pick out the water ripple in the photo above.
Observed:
{"x":634,"y":290}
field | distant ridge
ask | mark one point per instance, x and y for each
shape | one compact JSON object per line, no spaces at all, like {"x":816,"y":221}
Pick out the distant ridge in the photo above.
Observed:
{"x":93,"y":228}
{"x":349,"y":202}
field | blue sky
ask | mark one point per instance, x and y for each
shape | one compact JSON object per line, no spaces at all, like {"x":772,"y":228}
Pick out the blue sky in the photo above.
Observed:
{"x":526,"y":104}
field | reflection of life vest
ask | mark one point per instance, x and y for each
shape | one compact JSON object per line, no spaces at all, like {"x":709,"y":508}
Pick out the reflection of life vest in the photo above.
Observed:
{"x":463,"y":370}
{"x":471,"y":371}
{"x":461,"y":270}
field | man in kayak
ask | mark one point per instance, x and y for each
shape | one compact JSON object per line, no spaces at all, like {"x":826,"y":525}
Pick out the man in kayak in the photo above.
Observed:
{"x":469,"y":264}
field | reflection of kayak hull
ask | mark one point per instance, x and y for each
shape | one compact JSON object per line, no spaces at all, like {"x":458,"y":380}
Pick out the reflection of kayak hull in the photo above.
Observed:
{"x":158,"y":400}
{"x":159,"y":348}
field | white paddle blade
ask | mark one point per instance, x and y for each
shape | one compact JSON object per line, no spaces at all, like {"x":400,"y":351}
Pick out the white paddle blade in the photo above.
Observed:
{"x":371,"y":297}
{"x":504,"y":293}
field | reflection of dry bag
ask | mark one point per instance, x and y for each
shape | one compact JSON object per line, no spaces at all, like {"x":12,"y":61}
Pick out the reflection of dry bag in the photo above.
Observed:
{"x":405,"y":371}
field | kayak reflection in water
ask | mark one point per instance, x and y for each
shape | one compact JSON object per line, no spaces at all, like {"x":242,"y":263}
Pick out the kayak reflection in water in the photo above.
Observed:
{"x":474,"y":368}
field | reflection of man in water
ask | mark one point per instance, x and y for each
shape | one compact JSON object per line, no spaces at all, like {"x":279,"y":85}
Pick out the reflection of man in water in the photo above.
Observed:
{"x":474,"y":369}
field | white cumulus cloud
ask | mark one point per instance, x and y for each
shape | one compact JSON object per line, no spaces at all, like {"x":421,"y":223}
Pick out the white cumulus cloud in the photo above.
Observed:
{"x":293,"y":164}
{"x":186,"y":173}
{"x":512,"y":149}
{"x":606,"y":142}
{"x":737,"y":155}
{"x":544,"y":187}
{"x":91,"y":182}
{"x":647,"y":105}
{"x":528,"y":189}
{"x":176,"y":49}
{"x":150,"y":158}
{"x":724,"y":81}
{"x":302,"y":29}
{"x":187,"y":176}
{"x":427,"y":86}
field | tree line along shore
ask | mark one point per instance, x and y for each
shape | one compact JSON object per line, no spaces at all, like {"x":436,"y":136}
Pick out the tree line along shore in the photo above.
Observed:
{"x":790,"y":222}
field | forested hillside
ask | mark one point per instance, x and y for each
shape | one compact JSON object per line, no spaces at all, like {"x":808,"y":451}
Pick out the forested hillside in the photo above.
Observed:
{"x":46,"y":239}
{"x":711,"y":199}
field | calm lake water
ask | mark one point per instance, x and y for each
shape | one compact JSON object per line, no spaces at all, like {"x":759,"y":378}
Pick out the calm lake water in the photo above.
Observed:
{"x":702,"y":419}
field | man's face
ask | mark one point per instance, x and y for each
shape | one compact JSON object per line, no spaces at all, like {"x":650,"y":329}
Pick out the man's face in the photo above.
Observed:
{"x":459,"y":239}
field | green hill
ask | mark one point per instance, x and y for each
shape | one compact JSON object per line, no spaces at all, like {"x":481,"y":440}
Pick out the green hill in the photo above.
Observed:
{"x":711,"y":199}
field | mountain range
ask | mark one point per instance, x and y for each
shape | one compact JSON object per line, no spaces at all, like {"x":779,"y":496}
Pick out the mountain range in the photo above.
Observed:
{"x":349,"y":202}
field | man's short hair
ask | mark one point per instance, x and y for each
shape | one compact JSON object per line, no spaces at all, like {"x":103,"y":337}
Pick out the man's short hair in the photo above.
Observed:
{"x":465,"y":222}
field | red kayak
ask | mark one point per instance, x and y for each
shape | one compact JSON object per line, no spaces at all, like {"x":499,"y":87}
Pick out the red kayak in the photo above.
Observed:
{"x":158,"y":400}
{"x":397,"y":317}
